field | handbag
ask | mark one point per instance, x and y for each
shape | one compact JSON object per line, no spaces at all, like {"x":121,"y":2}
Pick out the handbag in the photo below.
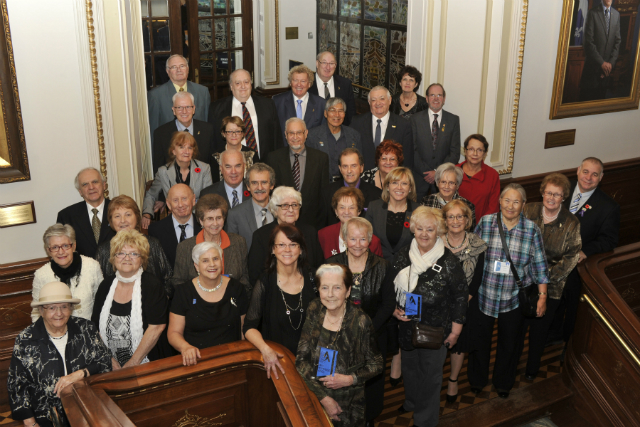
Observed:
{"x":527,"y":297}
{"x":425,"y":336}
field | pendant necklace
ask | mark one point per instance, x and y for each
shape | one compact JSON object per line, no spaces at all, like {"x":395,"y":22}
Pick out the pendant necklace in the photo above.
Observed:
{"x":60,"y":337}
{"x":207,"y":289}
{"x":290,"y":309}
{"x":464,"y":239}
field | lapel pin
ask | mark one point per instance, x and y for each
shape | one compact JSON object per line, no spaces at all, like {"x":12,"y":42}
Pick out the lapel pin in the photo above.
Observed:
{"x":199,"y":132}
{"x":443,"y":125}
{"x":393,"y":126}
{"x":321,"y":143}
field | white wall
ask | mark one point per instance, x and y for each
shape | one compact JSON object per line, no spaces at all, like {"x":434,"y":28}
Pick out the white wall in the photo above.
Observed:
{"x":301,"y":14}
{"x":610,"y":137}
{"x":46,"y":60}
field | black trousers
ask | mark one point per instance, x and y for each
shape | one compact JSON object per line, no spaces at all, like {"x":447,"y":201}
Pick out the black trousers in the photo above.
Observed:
{"x":374,"y":388}
{"x":564,"y":320}
{"x":504,"y":371}
{"x":538,"y":333}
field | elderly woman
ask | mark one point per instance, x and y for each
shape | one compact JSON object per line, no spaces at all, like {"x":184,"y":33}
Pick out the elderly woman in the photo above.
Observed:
{"x":428,"y":269}
{"x":80,"y":273}
{"x":470,"y":250}
{"x":123,"y":214}
{"x":232,"y":131}
{"x":131,"y":306}
{"x":480,"y":183}
{"x":562,"y":243}
{"x":53,"y":352}
{"x":408,"y":102}
{"x":181,"y":169}
{"x":211,"y":212}
{"x":285,"y":206}
{"x":333,"y":136}
{"x":388,"y":156}
{"x":498,"y":293}
{"x":368,"y":270}
{"x":280,"y":297}
{"x":448,"y":179}
{"x":209,"y":309}
{"x":347,"y":203}
{"x":334,"y":323}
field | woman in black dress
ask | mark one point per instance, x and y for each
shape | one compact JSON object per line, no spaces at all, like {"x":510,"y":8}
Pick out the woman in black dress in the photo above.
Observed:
{"x":408,"y":102}
{"x":208,"y":310}
{"x":281,"y":296}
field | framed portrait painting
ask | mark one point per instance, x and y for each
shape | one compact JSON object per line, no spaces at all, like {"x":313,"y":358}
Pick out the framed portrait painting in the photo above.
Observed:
{"x":597,"y":62}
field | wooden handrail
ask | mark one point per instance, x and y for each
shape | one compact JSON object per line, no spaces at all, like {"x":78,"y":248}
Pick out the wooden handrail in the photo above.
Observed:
{"x":360,"y":87}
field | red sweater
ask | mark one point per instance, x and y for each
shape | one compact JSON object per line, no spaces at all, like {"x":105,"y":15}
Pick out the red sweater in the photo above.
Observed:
{"x":482,"y":189}
{"x":330,"y":242}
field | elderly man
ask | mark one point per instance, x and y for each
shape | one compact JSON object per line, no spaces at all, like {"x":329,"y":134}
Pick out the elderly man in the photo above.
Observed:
{"x":303,"y":168}
{"x":178,"y":226}
{"x":88,"y":218}
{"x":184,"y":109}
{"x":298,"y":102}
{"x":380,"y":124}
{"x":246,"y":218}
{"x":261,"y":123}
{"x":436,"y":138}
{"x":330,"y":85}
{"x":351,"y":167}
{"x":333,"y":136}
{"x":231,"y":187}
{"x":159,"y":100}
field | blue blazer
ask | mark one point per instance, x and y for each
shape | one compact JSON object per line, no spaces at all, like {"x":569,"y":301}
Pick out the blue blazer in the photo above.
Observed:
{"x":285,"y":107}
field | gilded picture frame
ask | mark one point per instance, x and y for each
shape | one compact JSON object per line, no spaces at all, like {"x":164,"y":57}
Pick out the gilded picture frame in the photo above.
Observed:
{"x":580,"y":85}
{"x":14,"y":164}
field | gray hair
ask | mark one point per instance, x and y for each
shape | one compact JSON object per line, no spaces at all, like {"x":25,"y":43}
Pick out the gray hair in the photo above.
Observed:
{"x":518,"y":188}
{"x":359,"y":223}
{"x":449,"y":167}
{"x":378,"y":88}
{"x":173,"y":56}
{"x":76,"y":181}
{"x":333,"y":101}
{"x":422,"y":213}
{"x":294,"y":120}
{"x":281,"y":193}
{"x":202,"y":248}
{"x":261,"y":167}
{"x":58,"y":230}
{"x":321,"y":54}
{"x":179,"y":95}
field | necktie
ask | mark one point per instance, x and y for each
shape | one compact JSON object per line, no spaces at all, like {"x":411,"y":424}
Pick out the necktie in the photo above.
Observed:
{"x":299,"y":109}
{"x":434,"y":131}
{"x":186,"y":130}
{"x":327,"y":95}
{"x":574,"y":205}
{"x":95,"y":224}
{"x":378,"y":136}
{"x":607,"y":19}
{"x":250,"y":135}
{"x":235,"y":202}
{"x":263,"y":211}
{"x":183,"y":233}
{"x":295,"y":170}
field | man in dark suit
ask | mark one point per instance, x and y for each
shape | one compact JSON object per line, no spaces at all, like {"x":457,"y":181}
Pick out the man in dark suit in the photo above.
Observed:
{"x":310,"y":165}
{"x":232,"y":186}
{"x":178,"y":226}
{"x":262,"y":128}
{"x":330,"y":85}
{"x":246,"y":218}
{"x":89,"y":217}
{"x":601,"y":47}
{"x":351,"y":167}
{"x":298,"y":102}
{"x":159,"y":100}
{"x":436,"y":139}
{"x":184,"y":110}
{"x":599,"y":217}
{"x":381,"y":124}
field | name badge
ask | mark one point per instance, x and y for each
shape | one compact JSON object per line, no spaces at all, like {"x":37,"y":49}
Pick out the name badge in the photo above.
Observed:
{"x":413,"y":306}
{"x":502,"y":267}
{"x":194,"y":300}
{"x":327,"y":362}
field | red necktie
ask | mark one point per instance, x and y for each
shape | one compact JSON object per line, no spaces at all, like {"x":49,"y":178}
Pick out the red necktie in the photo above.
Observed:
{"x":250,"y":134}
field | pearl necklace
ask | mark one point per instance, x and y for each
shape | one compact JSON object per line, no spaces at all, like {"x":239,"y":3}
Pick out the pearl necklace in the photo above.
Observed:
{"x":207,"y":289}
{"x":60,"y":337}
{"x":547,"y":218}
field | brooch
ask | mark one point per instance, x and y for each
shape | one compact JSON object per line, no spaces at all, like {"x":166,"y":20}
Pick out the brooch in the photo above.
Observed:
{"x":233,"y":302}
{"x":584,"y":209}
{"x":443,"y":125}
{"x":246,"y":193}
{"x":407,"y":224}
{"x":197,"y":170}
{"x":334,"y":252}
{"x":321,"y":144}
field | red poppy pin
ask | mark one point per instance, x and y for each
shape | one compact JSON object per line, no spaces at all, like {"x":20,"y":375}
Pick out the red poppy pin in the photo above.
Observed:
{"x":406,"y":224}
{"x":197,"y":170}
{"x":246,"y":193}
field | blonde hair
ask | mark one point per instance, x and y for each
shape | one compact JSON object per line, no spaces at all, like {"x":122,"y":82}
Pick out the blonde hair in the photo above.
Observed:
{"x":394,"y":175}
{"x":130,"y":238}
{"x":466,"y":211}
{"x":423,"y":213}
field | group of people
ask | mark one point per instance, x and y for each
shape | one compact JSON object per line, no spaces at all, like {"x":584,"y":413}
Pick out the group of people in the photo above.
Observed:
{"x":344,"y":224}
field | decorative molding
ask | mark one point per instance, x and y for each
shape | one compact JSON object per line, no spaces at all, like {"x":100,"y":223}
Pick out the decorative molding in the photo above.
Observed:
{"x":277,"y":39}
{"x":189,"y":420}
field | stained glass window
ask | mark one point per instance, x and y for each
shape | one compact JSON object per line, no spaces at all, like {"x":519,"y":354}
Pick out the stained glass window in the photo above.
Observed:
{"x":376,"y":10}
{"x":350,"y":51}
{"x":350,"y":8}
{"x":328,"y":6}
{"x":375,"y":57}
{"x":399,"y":11}
{"x":398,"y":54}
{"x":327,"y":35}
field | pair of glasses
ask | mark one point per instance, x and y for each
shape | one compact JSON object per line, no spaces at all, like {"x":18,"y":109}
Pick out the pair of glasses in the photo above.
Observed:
{"x":282,"y":246}
{"x":178,"y":67}
{"x":132,"y":255}
{"x":187,"y":108}
{"x":64,"y":308}
{"x":334,"y":111}
{"x":436,"y":95}
{"x":56,"y":248}
{"x":296,"y":133}
{"x":456,"y":217}
{"x":328,"y":64}
{"x":233,"y":132}
{"x":286,"y":207}
{"x":448,"y":183}
{"x":475,"y":150}
{"x":554,"y":195}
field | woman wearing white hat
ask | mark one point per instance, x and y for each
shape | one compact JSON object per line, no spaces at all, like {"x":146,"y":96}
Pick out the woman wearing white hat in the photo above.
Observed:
{"x":55,"y":351}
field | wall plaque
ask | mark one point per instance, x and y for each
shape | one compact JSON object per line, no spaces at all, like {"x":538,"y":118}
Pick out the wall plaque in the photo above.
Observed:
{"x":291,"y":33}
{"x":17,"y":214}
{"x":560,"y":138}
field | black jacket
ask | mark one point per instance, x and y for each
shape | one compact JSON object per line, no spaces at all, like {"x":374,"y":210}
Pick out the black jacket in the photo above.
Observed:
{"x":202,"y":132}
{"x":77,"y":216}
{"x":369,"y":191}
{"x":343,"y":89}
{"x":165,"y":233}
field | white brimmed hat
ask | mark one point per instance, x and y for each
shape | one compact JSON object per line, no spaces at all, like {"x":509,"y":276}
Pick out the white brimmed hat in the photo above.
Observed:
{"x":55,"y":293}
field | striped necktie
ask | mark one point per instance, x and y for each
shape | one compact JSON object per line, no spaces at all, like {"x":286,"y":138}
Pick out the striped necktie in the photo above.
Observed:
{"x":574,"y":205}
{"x":295,"y":171}
{"x":434,"y":131}
{"x":95,"y":224}
{"x":235,"y":202}
{"x":250,"y":134}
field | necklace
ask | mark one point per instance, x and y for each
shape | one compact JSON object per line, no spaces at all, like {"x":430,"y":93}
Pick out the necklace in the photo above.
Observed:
{"x":406,"y":104}
{"x":290,"y":309}
{"x":207,"y":289}
{"x":464,"y":239}
{"x":547,"y":218}
{"x":60,"y":337}
{"x":340,"y":327}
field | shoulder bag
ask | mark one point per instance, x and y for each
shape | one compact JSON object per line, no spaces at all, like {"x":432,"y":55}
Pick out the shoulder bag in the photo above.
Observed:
{"x":422,"y":335}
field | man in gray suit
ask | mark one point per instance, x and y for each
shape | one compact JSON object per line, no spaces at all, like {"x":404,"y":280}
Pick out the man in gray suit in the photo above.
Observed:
{"x":160,"y":102}
{"x":436,"y":138}
{"x":231,"y":187}
{"x":601,"y":47}
{"x":246,"y":218}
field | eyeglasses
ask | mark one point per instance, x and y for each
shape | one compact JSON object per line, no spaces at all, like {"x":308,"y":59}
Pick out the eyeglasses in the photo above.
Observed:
{"x":554,"y":195}
{"x":456,"y":217}
{"x":187,"y":108}
{"x":296,"y":133}
{"x":132,"y":255}
{"x":328,"y":64}
{"x":233,"y":132}
{"x":286,"y":207}
{"x":334,"y":111}
{"x":282,"y":246}
{"x":176,"y":67}
{"x":436,"y":95}
{"x":475,"y":150}
{"x":303,"y":81}
{"x":56,"y":248}
{"x":64,"y":308}
{"x":448,"y":183}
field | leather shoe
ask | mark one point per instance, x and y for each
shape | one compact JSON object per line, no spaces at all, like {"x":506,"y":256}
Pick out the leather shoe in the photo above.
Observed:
{"x":395,"y":381}
{"x":503,"y":394}
{"x":476,"y":390}
{"x":401,"y":410}
{"x":451,"y":398}
{"x":530,"y":377}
